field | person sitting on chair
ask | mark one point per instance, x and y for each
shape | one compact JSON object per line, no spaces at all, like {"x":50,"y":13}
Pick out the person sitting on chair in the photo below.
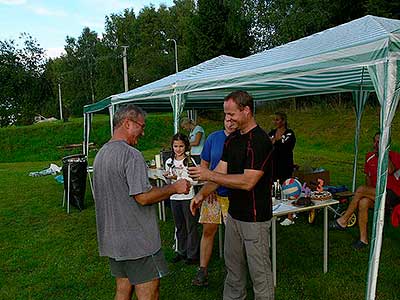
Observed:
{"x":364,"y":197}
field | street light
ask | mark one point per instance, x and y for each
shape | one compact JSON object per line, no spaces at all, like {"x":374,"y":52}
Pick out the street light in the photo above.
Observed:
{"x":176,"y":54}
{"x":125,"y":68}
{"x":59,"y":100}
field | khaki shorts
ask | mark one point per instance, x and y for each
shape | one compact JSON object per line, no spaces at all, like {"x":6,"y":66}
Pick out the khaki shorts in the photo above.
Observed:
{"x":214,"y":209}
{"x":140,"y":270}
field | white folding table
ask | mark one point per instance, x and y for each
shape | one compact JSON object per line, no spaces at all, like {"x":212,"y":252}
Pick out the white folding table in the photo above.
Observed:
{"x":281,"y":208}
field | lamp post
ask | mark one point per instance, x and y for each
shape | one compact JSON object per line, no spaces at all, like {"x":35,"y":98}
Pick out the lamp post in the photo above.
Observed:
{"x":125,"y":68}
{"x":59,"y":101}
{"x":176,"y":54}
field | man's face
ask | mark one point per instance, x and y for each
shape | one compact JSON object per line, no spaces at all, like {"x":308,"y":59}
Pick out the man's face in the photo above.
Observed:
{"x":376,"y":143}
{"x":135,"y":129}
{"x":234,"y":114}
{"x":229,"y":126}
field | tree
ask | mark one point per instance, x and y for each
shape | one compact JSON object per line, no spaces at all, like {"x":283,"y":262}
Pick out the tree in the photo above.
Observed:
{"x":220,"y":27}
{"x":282,"y":21}
{"x":24,"y":89}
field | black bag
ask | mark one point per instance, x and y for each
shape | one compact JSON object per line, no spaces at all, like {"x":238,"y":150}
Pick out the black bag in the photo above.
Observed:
{"x":77,"y":179}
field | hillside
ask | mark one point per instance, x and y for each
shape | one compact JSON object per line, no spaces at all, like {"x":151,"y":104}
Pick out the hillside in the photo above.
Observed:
{"x":325,"y":137}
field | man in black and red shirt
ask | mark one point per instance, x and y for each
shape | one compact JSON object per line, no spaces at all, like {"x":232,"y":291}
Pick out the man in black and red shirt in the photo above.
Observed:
{"x":245,"y":168}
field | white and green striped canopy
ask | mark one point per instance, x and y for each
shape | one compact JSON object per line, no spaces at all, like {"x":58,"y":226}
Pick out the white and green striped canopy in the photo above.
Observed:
{"x":360,"y":56}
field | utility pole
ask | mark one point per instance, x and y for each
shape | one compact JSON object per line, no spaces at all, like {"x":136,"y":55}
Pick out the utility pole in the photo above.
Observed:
{"x":125,"y":68}
{"x":176,"y":54}
{"x":59,"y":101}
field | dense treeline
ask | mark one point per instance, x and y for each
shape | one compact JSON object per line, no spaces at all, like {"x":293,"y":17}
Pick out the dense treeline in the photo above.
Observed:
{"x":91,"y":68}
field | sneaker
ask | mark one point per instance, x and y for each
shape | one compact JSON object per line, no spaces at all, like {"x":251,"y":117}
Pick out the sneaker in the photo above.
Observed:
{"x":178,"y":258}
{"x":201,"y":278}
{"x":287,"y":222}
{"x":359,"y":245}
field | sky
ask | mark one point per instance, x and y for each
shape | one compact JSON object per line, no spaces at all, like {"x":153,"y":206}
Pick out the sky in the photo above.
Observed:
{"x":50,"y":21}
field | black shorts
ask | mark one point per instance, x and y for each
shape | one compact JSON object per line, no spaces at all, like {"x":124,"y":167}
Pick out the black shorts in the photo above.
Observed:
{"x":140,"y":270}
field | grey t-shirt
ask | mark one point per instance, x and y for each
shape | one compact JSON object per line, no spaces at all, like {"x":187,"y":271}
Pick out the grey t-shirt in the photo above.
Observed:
{"x":125,"y":228}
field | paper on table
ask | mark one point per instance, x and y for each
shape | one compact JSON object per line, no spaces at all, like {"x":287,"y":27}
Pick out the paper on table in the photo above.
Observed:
{"x":156,"y":174}
{"x":282,"y":207}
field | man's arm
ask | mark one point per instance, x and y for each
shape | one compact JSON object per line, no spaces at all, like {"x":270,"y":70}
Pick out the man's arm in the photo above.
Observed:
{"x":158,"y":194}
{"x":391,"y":166}
{"x":368,"y":181}
{"x":204,"y":163}
{"x":245,"y":181}
{"x":208,"y":187}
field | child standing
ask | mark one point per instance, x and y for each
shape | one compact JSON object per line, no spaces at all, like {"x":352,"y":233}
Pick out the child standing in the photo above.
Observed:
{"x":185,"y":224}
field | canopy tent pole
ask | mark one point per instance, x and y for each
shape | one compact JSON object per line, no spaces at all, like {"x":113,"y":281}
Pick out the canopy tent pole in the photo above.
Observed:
{"x":84,"y":134}
{"x":87,"y":123}
{"x":177,"y":103}
{"x":111,"y":113}
{"x":386,"y":80}
{"x":89,"y":126}
{"x":360,"y":98}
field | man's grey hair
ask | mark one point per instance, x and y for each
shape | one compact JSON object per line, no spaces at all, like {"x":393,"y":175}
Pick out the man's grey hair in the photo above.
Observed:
{"x":128,"y":111}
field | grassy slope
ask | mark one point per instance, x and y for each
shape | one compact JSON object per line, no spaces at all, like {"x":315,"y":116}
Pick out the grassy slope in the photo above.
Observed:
{"x":46,"y":254}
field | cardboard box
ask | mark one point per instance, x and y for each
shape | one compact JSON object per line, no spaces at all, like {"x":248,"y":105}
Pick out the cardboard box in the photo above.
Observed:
{"x":312,"y":178}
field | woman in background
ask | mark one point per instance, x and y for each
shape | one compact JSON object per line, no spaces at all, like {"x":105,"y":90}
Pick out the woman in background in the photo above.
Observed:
{"x":284,"y":141}
{"x":197,"y":137}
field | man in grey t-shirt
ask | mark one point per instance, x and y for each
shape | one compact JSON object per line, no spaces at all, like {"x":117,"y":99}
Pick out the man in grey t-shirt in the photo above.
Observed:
{"x":127,"y":227}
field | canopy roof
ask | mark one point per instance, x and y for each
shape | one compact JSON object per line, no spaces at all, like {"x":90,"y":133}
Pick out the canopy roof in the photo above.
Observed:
{"x":330,"y":61}
{"x":157,"y":94}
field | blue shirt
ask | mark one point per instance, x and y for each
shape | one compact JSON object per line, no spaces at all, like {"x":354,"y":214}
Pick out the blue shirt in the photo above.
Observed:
{"x":212,"y":153}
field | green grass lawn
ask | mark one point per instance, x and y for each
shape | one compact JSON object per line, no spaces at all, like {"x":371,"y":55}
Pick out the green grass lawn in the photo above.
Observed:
{"x":47,"y":254}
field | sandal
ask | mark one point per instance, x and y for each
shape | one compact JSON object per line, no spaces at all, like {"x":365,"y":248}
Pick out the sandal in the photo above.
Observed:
{"x":359,"y":245}
{"x":335,"y":225}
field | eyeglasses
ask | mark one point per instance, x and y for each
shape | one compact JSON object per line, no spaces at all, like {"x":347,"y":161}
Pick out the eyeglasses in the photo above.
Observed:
{"x":143,"y":125}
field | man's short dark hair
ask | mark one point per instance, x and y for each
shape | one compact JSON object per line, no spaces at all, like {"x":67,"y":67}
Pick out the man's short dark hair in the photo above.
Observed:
{"x":128,"y":111}
{"x":376,"y":133}
{"x":242,"y":99}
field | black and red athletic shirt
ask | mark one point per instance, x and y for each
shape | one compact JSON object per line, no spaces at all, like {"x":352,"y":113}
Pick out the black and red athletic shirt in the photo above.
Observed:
{"x":253,"y":151}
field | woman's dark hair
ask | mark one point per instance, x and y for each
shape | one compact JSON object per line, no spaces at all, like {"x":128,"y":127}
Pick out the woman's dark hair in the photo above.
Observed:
{"x":283,"y":116}
{"x":180,"y":137}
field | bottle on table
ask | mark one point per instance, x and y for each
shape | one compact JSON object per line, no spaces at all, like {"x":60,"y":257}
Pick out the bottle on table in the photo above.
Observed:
{"x":273,"y":191}
{"x":278,"y":191}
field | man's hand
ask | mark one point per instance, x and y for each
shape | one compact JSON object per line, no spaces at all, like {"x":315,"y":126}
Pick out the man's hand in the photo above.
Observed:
{"x":195,"y":203}
{"x":199,"y":173}
{"x":182,"y":186}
